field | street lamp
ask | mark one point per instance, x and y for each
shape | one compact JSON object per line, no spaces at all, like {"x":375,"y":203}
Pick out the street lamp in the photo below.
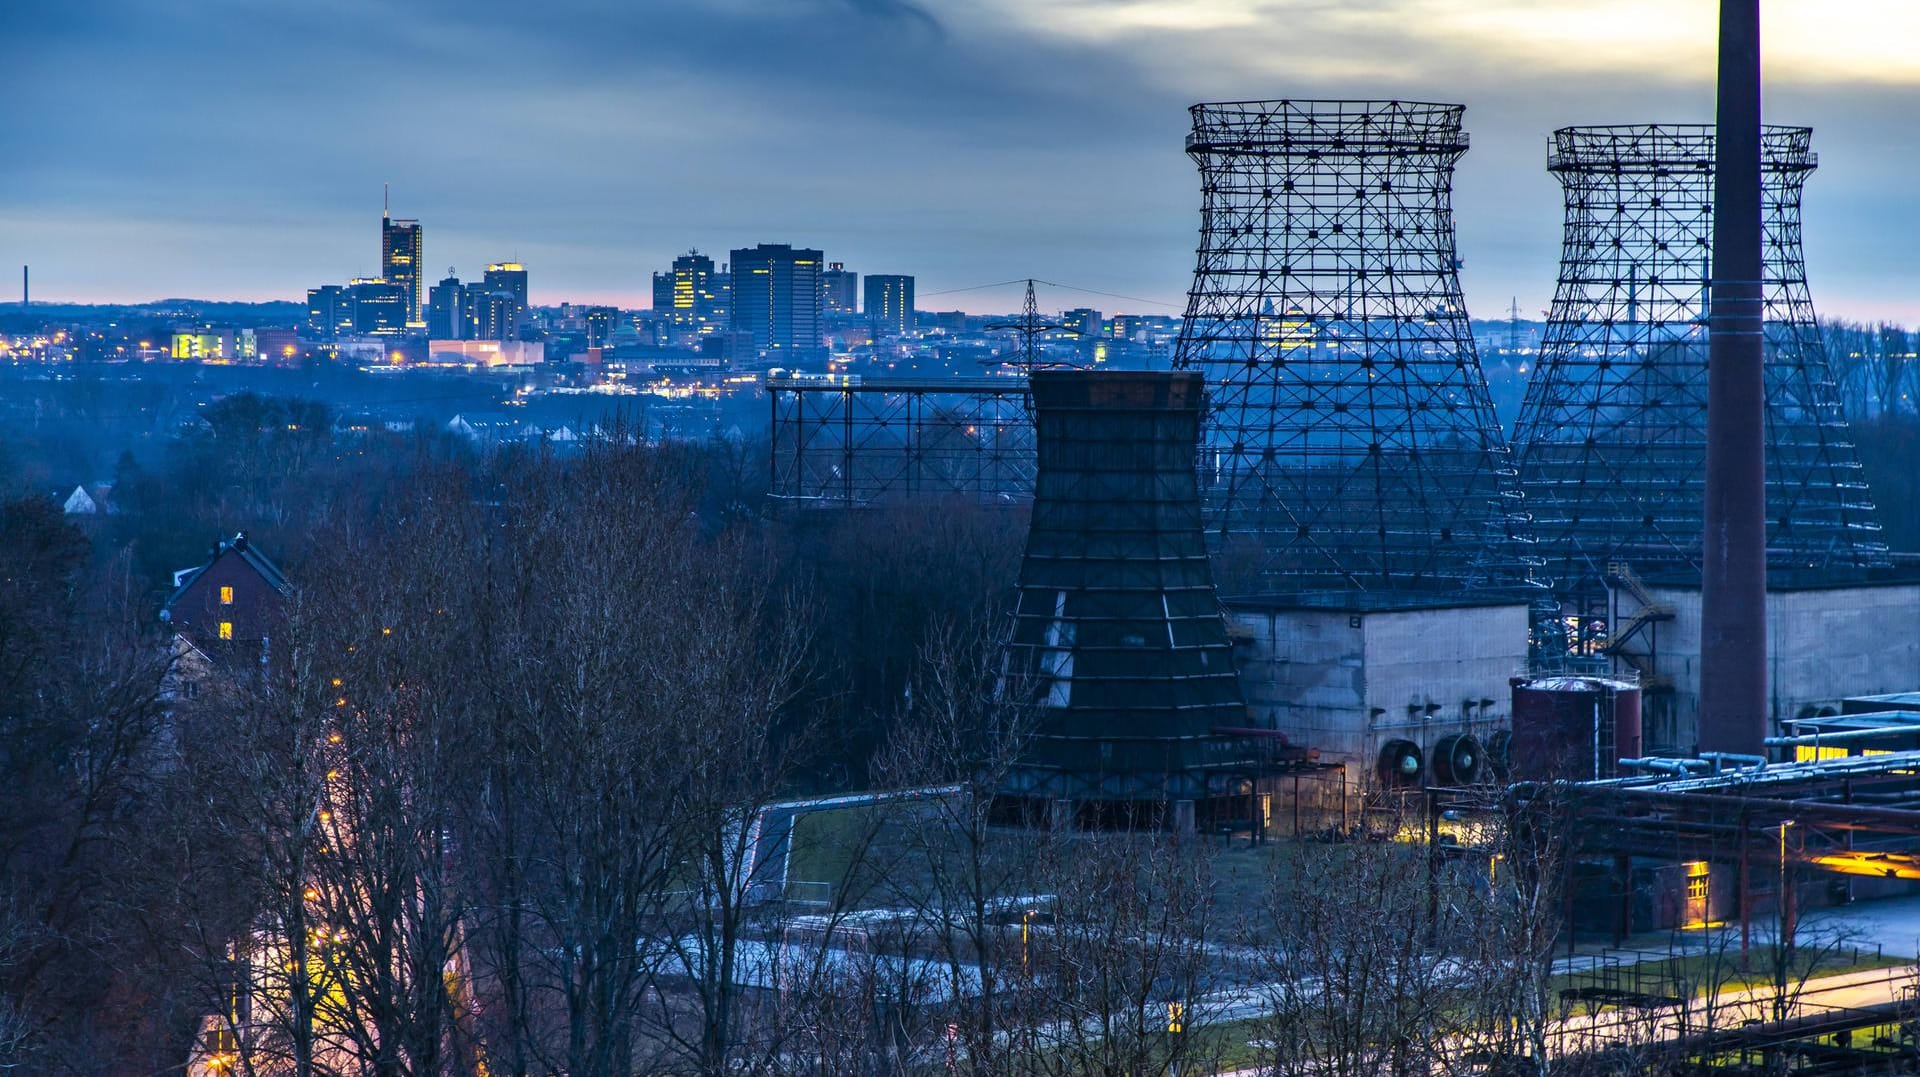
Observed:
{"x":1783,"y":946}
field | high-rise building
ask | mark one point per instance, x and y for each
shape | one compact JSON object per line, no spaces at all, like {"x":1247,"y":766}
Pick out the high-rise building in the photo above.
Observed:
{"x":890,"y":304}
{"x":693,"y":297}
{"x":1082,"y":322}
{"x":402,"y":248}
{"x":839,"y":289}
{"x":446,"y":310}
{"x":329,"y":311}
{"x":379,"y":307}
{"x":600,"y":322}
{"x":776,"y":297}
{"x":511,"y":278}
{"x":490,"y":314}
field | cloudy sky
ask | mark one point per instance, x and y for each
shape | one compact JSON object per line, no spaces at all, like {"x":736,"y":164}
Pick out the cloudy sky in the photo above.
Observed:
{"x":236,"y":148}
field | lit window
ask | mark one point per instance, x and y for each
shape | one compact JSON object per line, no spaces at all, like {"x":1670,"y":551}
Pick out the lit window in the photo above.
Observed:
{"x":226,"y":596}
{"x":226,"y":629}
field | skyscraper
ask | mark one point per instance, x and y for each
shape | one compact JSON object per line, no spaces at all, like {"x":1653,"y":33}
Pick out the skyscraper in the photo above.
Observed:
{"x":402,"y":248}
{"x":600,"y":322}
{"x":329,"y":311}
{"x":379,"y":307}
{"x":446,"y":309}
{"x":692,"y":296}
{"x":509,"y":279}
{"x":776,"y":297}
{"x":839,"y":289}
{"x":890,"y":304}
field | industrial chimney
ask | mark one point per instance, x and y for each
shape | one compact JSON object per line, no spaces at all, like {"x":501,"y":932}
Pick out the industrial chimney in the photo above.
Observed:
{"x":1733,"y":585}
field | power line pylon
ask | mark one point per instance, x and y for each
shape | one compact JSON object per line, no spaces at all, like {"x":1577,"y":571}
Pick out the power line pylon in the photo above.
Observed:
{"x":1029,"y":327}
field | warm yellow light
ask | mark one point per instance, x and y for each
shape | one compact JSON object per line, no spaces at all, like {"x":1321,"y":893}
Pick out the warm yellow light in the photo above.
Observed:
{"x":226,"y":629}
{"x":226,"y":596}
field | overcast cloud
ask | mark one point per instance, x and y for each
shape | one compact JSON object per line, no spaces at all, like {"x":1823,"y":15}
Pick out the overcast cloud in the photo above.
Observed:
{"x":231,"y":148}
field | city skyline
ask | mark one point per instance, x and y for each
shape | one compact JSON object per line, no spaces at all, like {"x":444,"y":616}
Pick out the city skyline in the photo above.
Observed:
{"x":962,"y":145}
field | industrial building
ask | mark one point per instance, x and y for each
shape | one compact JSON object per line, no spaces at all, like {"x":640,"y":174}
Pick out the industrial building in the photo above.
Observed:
{"x":1827,"y":638}
{"x":1397,"y":692}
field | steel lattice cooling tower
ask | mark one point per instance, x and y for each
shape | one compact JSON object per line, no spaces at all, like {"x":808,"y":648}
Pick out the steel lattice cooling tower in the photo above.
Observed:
{"x":1352,"y":442}
{"x":1118,"y":641}
{"x":1611,"y":440}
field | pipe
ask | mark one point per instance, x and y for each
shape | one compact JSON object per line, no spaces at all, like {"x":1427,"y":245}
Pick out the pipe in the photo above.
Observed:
{"x":1682,"y":767}
{"x":1848,"y":734}
{"x":1748,"y":762}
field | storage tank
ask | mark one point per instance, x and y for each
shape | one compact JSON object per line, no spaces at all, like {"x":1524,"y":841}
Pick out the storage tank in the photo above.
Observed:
{"x":1573,"y":727}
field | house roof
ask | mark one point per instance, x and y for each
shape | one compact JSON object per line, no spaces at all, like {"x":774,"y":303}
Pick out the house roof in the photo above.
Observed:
{"x":247,"y":552}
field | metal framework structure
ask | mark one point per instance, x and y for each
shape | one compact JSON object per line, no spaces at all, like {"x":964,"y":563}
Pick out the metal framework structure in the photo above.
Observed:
{"x":1612,"y":437}
{"x":844,"y":442}
{"x":1352,"y":436}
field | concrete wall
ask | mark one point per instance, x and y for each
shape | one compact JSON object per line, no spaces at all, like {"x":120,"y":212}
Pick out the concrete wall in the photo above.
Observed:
{"x":1822,"y":646}
{"x":1347,"y":682}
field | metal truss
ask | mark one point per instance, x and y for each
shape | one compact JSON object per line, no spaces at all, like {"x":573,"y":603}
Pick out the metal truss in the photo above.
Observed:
{"x":1352,"y":437}
{"x":1611,"y":440}
{"x":845,"y":442}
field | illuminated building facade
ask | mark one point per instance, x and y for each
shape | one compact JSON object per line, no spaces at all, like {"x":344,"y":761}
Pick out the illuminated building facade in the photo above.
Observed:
{"x":215,"y":345}
{"x":776,"y":297}
{"x":401,"y":248}
{"x":489,"y":314}
{"x":694,"y":298}
{"x":1082,"y":322}
{"x":839,"y":289}
{"x":329,"y":311}
{"x":379,"y":307}
{"x":508,"y":279}
{"x":890,"y":304}
{"x":600,"y":323}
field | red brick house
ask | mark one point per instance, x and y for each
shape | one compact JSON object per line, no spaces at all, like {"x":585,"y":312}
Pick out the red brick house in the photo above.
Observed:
{"x":235,"y":600}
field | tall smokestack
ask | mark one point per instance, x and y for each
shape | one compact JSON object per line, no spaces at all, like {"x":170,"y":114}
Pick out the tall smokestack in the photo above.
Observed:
{"x":1733,"y":586}
{"x":25,"y":293}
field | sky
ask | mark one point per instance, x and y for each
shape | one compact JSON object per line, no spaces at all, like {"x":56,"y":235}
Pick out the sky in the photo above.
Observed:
{"x":235,"y":149}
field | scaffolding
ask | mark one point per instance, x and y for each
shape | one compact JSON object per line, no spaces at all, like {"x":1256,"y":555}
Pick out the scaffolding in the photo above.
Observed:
{"x":1611,"y":440}
{"x":1352,"y":441}
{"x":842,"y":441}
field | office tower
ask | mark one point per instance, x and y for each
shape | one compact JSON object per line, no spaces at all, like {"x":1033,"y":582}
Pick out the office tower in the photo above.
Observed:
{"x":776,"y":297}
{"x":1082,"y":322}
{"x":490,"y":314}
{"x":692,"y":297}
{"x":839,"y":289}
{"x":402,"y":248}
{"x":329,"y":311}
{"x":600,"y":322}
{"x":379,"y":307}
{"x":508,"y":277}
{"x":446,"y":309}
{"x":890,"y":304}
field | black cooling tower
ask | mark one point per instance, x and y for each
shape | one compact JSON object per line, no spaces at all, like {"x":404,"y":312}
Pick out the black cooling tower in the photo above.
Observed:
{"x":1119,"y":643}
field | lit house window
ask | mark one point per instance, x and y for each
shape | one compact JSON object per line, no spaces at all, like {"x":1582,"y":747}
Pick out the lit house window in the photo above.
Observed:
{"x":226,"y":629}
{"x":226,"y":596}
